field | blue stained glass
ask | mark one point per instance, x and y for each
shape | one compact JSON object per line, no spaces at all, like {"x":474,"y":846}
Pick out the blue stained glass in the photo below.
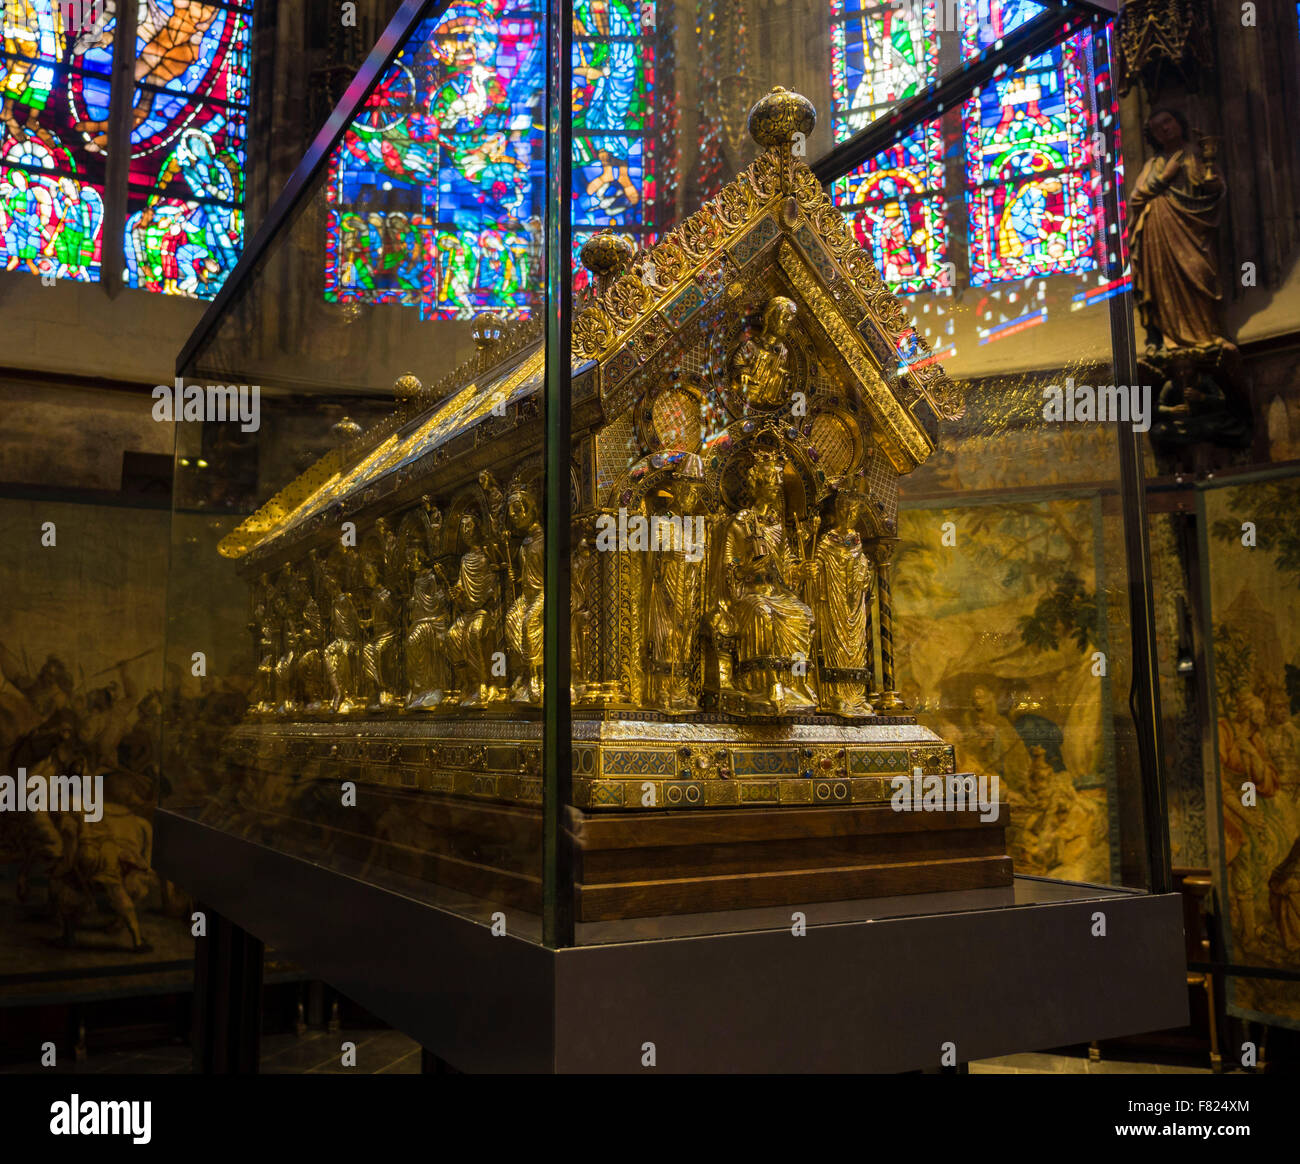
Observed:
{"x":185,"y":225}
{"x":1032,"y":196}
{"x":436,"y":191}
{"x":988,"y":21}
{"x":607,"y":188}
{"x":878,"y":58}
{"x":882,"y":53}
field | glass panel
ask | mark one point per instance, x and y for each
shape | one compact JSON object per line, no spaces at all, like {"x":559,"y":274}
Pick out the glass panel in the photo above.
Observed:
{"x":354,"y":623}
{"x":839,"y":556}
{"x":448,"y":252}
{"x":897,"y":211}
{"x":434,"y":189}
{"x":832,"y":547}
{"x":882,"y":53}
{"x":1033,"y":194}
{"x":1012,"y":585}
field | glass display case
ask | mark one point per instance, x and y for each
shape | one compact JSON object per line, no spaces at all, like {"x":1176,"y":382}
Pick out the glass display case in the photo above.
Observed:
{"x":676,"y":496}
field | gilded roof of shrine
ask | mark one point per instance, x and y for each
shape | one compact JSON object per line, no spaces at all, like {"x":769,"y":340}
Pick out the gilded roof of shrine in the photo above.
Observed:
{"x":774,"y":226}
{"x":425,"y":422}
{"x":771,"y":228}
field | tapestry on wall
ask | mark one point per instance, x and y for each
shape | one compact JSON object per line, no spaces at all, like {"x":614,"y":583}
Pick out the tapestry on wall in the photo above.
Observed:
{"x":82,"y":912}
{"x":1253,"y":567}
{"x":1000,"y":627}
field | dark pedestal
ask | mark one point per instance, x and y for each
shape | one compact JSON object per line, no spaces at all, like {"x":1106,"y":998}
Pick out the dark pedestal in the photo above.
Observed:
{"x":875,"y":985}
{"x":227,"y":997}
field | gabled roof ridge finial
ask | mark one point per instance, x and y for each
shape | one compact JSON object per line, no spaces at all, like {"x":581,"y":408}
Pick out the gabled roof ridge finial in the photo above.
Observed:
{"x":781,"y":122}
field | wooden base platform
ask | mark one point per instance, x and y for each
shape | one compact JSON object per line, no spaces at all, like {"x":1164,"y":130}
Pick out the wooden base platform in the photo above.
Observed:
{"x":648,"y":864}
{"x":666,"y":863}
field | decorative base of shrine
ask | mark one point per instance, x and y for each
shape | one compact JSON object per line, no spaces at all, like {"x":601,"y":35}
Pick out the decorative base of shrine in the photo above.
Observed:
{"x":784,"y":812}
{"x":649,"y":864}
{"x":720,"y":762}
{"x":630,"y":764}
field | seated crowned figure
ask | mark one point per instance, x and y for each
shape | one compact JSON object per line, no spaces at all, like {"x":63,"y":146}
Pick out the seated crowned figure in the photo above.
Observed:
{"x":756,"y":606}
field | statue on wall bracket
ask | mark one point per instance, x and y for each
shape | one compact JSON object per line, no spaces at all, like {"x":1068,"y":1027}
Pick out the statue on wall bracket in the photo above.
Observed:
{"x":1173,"y":233}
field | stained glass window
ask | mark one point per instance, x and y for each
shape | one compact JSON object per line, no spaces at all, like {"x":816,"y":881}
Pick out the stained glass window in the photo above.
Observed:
{"x":189,"y":124}
{"x":994,"y":19}
{"x":54,"y":87}
{"x":883,"y":53}
{"x":436,"y":192}
{"x":1033,"y":194}
{"x":613,"y":88}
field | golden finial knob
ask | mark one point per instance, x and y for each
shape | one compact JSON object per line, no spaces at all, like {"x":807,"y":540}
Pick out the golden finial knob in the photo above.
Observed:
{"x":489,"y":327}
{"x":407,"y":388}
{"x":776,"y":118}
{"x":346,"y":429}
{"x":606,"y":254}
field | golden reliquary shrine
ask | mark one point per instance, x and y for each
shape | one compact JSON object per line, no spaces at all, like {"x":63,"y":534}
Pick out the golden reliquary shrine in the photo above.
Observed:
{"x":736,"y":732}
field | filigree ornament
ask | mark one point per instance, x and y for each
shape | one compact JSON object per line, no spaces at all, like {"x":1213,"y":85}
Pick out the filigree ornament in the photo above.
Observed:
{"x":626,"y":300}
{"x":669,"y":260}
{"x":766,"y":175}
{"x":647,"y":270}
{"x":829,"y":223}
{"x":949,"y":396}
{"x":889,"y":311}
{"x":734,"y":205}
{"x":859,"y":268}
{"x":806,"y":187}
{"x":593,"y":332}
{"x":700,"y":234}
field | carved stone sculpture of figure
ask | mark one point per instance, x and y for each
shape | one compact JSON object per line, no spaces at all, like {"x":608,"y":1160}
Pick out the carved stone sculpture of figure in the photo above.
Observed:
{"x":472,"y":638}
{"x":343,"y":653}
{"x":427,"y":677}
{"x":760,"y":366}
{"x":1192,"y":406}
{"x":676,"y":598}
{"x":524,"y":626}
{"x":756,"y":606}
{"x":841,"y":591}
{"x":1173,"y":226}
{"x":379,"y":654}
